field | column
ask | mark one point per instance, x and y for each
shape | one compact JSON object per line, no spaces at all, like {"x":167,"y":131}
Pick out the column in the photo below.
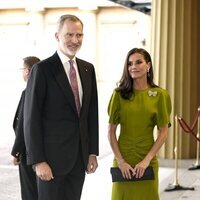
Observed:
{"x":35,"y":16}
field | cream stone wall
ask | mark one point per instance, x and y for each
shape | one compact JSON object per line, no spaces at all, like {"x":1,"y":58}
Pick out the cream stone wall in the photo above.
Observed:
{"x":109,"y":33}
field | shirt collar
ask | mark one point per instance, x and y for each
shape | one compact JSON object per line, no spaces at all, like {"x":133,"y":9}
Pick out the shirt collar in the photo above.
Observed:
{"x":64,"y":58}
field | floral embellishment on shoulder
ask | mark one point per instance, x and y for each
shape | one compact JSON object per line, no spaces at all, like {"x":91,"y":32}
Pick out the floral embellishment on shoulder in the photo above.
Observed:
{"x":152,"y":93}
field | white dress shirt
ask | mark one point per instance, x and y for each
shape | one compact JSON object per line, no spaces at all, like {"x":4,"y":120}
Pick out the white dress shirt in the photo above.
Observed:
{"x":65,"y":61}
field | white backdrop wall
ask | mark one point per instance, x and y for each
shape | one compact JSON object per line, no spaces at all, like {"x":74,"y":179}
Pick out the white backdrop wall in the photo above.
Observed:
{"x":109,"y":33}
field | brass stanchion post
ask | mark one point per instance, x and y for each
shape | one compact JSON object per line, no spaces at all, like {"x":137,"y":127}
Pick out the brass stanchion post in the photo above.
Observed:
{"x":176,"y":150}
{"x":175,"y":186}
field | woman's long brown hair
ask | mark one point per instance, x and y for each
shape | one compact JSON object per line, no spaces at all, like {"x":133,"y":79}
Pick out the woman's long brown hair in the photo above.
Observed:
{"x":125,"y":85}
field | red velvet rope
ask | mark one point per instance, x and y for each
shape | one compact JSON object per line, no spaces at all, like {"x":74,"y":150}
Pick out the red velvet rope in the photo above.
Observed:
{"x":187,"y":128}
{"x":196,"y":119}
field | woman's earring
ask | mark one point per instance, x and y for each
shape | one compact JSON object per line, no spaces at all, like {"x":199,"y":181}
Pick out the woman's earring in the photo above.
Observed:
{"x":148,"y":74}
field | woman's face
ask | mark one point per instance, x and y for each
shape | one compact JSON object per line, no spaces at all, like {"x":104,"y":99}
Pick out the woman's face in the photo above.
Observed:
{"x":137,"y":66}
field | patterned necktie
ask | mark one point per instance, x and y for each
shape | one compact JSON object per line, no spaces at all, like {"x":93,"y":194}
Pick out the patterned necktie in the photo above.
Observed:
{"x":74,"y":86}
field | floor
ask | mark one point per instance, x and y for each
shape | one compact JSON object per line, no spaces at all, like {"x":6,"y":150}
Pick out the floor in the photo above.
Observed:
{"x":98,"y":186}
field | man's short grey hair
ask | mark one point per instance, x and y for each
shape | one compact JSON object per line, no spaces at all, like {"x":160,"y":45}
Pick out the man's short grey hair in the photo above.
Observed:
{"x":69,"y":17}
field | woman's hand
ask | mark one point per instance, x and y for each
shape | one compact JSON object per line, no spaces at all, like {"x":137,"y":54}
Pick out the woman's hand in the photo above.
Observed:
{"x":140,"y":168}
{"x":126,"y":169}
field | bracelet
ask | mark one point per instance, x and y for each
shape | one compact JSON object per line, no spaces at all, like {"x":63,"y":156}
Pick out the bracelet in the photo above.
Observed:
{"x":120,"y":161}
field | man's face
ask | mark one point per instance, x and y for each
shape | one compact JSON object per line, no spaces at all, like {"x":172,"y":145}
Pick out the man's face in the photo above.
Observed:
{"x":25,"y":72}
{"x":70,"y":38}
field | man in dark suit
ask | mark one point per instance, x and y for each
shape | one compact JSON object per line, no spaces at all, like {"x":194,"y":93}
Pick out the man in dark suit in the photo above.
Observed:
{"x":61,"y":117}
{"x":26,"y":173}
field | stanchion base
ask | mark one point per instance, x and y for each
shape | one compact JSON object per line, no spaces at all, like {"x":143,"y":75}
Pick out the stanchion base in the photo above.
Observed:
{"x":172,"y":187}
{"x":194,"y":167}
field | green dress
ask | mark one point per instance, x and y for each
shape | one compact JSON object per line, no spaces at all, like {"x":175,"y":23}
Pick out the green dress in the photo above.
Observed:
{"x":137,"y":118}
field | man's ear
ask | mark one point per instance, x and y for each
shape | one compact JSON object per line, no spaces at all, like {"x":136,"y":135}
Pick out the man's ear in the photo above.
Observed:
{"x":56,"y":36}
{"x":27,"y":71}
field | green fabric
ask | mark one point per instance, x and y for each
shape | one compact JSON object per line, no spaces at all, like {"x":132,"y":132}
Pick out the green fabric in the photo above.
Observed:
{"x":137,"y":118}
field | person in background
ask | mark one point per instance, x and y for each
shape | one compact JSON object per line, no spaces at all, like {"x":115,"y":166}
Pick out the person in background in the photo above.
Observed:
{"x":26,"y":173}
{"x":61,"y":117}
{"x":137,"y":105}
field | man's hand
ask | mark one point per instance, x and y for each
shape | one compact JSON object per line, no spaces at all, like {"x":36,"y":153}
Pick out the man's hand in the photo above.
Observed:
{"x":16,"y":161}
{"x":43,"y":171}
{"x":92,"y":164}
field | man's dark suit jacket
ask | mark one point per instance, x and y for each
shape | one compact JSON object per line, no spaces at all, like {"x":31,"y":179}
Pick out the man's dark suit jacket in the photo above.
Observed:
{"x":53,"y":130}
{"x":18,"y":149}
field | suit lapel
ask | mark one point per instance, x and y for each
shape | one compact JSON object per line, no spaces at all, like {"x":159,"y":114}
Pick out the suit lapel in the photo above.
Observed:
{"x":61,"y":77}
{"x":83,"y":73}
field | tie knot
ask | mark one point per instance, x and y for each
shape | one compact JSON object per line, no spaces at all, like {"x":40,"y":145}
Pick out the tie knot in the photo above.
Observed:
{"x":71,"y":62}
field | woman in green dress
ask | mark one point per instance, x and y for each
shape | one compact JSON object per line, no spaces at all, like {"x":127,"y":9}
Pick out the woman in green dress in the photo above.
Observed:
{"x":137,"y":105}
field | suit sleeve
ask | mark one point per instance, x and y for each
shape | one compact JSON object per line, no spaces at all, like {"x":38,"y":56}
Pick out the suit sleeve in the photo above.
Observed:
{"x":93,"y":119}
{"x":19,"y":146}
{"x":33,"y":109}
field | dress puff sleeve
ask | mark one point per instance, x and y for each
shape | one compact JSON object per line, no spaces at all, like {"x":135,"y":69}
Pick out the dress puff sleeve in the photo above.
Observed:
{"x":164,"y":109}
{"x":114,"y":108}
